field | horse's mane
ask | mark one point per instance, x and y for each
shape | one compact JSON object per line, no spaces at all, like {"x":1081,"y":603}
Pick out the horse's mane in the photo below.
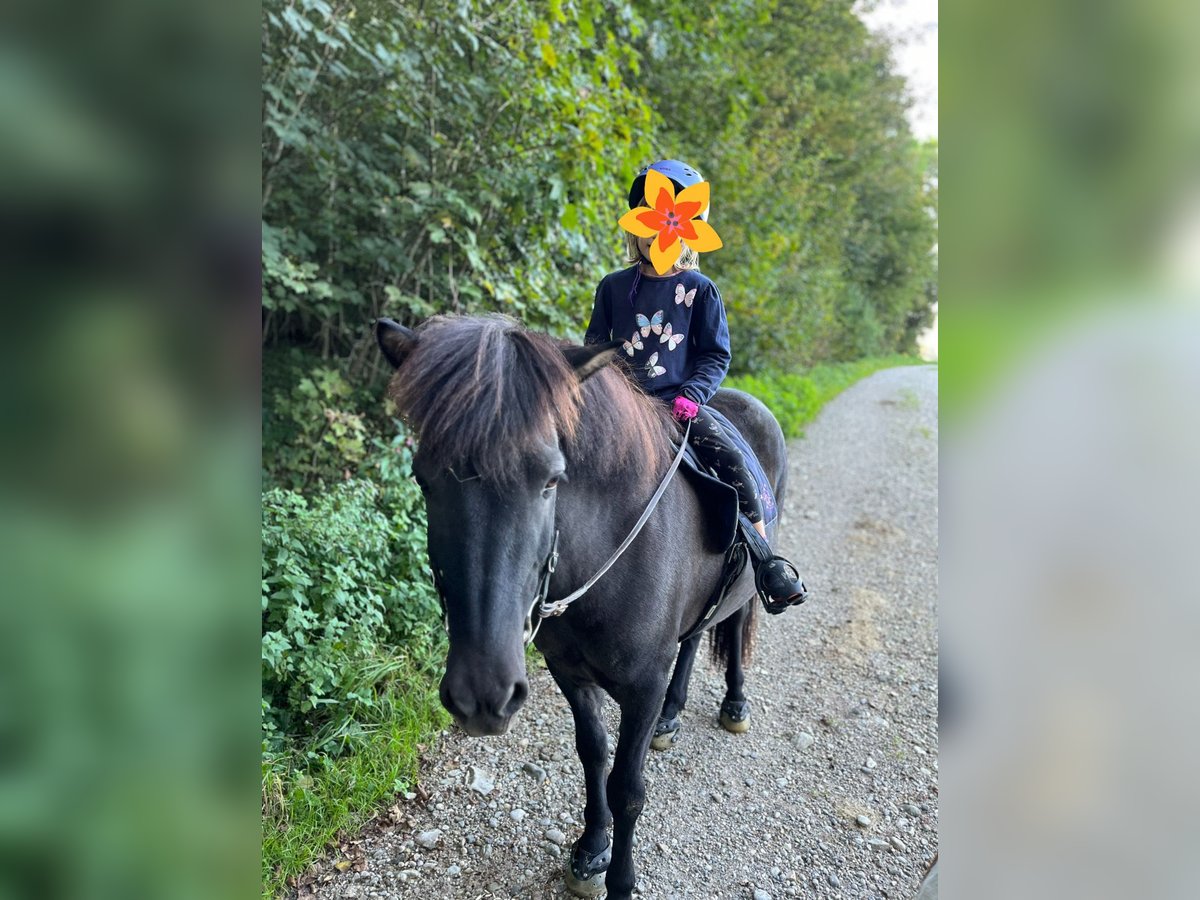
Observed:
{"x":484,"y":391}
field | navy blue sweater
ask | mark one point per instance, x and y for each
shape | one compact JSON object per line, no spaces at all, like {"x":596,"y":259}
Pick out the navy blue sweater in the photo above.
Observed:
{"x":676,"y":340}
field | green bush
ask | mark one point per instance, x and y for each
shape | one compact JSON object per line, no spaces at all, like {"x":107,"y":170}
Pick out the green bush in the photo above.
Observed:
{"x":316,"y":430}
{"x":345,"y":582}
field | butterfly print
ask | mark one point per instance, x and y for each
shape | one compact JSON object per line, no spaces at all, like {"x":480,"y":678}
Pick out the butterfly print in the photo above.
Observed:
{"x":652,"y":324}
{"x":684,"y":298}
{"x":671,"y":340}
{"x":653,"y":369}
{"x":634,"y":343}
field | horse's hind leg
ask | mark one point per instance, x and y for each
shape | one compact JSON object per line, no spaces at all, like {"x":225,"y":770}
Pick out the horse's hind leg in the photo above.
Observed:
{"x":590,"y":854}
{"x":735,"y":708}
{"x":667,"y":727}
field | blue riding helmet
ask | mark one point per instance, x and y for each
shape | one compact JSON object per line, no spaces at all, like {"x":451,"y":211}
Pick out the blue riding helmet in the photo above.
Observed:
{"x":680,"y":174}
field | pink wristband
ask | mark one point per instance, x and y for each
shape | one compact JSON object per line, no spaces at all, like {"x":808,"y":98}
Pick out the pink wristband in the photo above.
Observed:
{"x":684,"y":409}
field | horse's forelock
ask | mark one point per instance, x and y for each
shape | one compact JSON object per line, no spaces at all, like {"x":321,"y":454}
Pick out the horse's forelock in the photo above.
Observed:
{"x":484,"y":391}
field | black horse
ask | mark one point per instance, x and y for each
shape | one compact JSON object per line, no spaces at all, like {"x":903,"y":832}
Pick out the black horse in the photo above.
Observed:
{"x":527,"y":447}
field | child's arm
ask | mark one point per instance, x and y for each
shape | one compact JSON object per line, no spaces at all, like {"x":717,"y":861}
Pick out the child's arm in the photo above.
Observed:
{"x":710,"y":348}
{"x":599,"y":328}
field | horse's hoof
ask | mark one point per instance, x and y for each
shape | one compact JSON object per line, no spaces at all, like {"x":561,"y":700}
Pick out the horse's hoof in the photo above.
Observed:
{"x":735,"y":716}
{"x":585,"y":871}
{"x":665,"y":733}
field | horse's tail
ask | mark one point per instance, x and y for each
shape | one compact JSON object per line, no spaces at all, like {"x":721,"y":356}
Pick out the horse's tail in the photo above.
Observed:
{"x":724,"y":637}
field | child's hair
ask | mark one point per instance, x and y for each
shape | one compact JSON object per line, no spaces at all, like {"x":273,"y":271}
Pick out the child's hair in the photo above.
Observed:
{"x":688,"y":259}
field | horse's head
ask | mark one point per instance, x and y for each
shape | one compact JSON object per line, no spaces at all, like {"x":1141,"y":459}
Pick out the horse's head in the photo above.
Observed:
{"x":490,"y":403}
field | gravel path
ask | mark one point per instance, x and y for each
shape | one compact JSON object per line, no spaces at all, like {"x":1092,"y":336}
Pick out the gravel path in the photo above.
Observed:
{"x":832,"y":793}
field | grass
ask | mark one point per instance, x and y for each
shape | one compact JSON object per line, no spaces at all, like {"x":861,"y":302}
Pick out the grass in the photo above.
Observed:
{"x":310,"y":798}
{"x":796,"y":397}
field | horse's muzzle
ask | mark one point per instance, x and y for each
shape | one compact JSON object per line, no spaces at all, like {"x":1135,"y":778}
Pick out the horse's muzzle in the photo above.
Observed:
{"x":484,"y":726}
{"x":482,"y":707}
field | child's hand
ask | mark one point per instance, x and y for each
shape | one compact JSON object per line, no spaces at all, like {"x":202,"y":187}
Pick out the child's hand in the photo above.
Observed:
{"x":684,"y":409}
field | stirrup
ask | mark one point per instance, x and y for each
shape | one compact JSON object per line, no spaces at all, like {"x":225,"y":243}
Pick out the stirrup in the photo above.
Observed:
{"x":786,"y":572}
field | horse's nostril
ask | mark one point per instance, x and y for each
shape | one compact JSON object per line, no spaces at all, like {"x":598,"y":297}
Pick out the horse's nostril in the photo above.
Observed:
{"x":452,"y":704}
{"x":520,"y":691}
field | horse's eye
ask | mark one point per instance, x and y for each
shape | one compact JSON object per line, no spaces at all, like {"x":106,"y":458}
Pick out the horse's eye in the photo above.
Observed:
{"x":552,"y":483}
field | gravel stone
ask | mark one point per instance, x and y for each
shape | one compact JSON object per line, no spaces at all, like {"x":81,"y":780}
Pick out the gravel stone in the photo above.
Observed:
{"x":536,"y":771}
{"x":429,"y":839}
{"x":863,"y":821}
{"x":854,"y":670}
{"x":481,"y":782}
{"x":760,"y":894}
{"x":556,"y":837}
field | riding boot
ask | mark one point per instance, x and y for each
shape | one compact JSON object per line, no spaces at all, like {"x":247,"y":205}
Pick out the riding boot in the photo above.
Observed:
{"x":775,"y":578}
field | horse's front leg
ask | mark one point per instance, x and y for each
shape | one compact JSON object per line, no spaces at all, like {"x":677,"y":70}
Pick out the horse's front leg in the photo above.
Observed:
{"x":668,"y":725}
{"x":626,"y":786}
{"x":591,"y":853}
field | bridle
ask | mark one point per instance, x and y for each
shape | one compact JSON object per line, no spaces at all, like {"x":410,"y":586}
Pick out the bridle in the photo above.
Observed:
{"x":539,"y":609}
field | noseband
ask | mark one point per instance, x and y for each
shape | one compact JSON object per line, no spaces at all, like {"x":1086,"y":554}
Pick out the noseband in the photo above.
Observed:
{"x":539,"y":609}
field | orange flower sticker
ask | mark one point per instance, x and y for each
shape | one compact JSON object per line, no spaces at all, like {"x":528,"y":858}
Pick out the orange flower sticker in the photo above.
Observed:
{"x":672,"y":221}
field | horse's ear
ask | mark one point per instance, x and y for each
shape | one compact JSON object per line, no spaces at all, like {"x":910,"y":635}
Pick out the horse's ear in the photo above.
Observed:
{"x":395,"y":340}
{"x":587,"y":361}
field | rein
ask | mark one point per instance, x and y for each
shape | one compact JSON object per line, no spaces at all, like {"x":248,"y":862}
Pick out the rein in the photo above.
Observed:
{"x":540,"y":609}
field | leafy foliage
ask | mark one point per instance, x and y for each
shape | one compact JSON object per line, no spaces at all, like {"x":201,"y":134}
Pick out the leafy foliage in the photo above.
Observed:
{"x":345,"y":581}
{"x":437,"y":159}
{"x":466,"y":157}
{"x":819,"y":193}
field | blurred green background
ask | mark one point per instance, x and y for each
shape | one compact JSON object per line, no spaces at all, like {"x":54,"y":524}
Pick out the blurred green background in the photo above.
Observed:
{"x":1076,"y":166}
{"x":1069,"y":343}
{"x":128,"y":490}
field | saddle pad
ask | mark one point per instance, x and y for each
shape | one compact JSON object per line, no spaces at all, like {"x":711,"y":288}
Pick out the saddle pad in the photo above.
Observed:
{"x":765,"y":494}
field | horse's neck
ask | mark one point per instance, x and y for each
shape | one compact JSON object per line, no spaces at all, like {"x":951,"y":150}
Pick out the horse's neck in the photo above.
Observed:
{"x":597,"y":514}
